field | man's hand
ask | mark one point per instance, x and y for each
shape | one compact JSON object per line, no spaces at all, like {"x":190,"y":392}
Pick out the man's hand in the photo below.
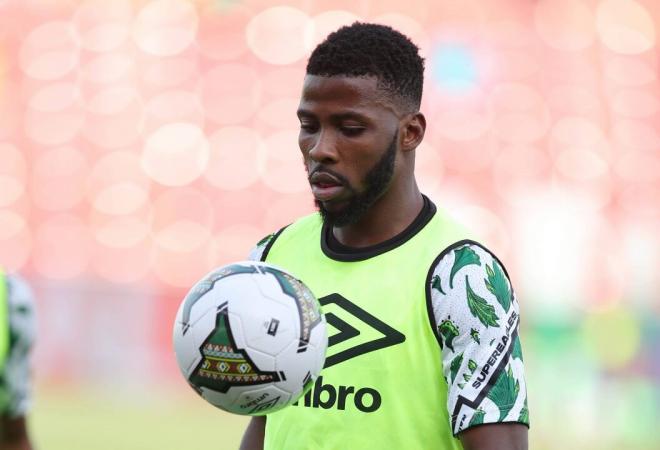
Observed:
{"x":495,"y":436}
{"x":253,"y":439}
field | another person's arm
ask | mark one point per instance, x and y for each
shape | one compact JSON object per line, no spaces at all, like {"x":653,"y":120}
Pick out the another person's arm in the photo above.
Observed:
{"x":15,"y":379}
{"x":13,"y":434}
{"x":477,"y":319}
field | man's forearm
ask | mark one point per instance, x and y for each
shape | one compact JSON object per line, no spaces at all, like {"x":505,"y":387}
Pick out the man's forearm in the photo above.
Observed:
{"x":496,"y":436}
{"x":253,"y":439}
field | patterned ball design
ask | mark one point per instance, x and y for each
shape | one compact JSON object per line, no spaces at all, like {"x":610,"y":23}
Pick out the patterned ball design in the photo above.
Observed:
{"x":250,"y":338}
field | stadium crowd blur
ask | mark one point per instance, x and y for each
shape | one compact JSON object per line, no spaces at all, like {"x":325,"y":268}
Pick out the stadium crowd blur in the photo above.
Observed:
{"x":143,"y":143}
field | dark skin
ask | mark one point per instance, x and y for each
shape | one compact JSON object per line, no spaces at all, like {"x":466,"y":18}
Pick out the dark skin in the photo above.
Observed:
{"x":346,"y":125}
{"x":13,"y":434}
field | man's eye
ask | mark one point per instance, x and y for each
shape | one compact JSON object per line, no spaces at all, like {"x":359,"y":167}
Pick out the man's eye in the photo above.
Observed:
{"x":352,"y":131}
{"x":308,"y":127}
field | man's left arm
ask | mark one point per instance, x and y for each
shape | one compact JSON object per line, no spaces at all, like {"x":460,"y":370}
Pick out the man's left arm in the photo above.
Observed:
{"x":476,"y":317}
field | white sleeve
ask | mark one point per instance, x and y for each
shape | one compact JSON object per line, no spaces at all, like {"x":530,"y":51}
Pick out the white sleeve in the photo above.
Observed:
{"x":16,"y":376}
{"x":259,"y":250}
{"x":476,"y":317}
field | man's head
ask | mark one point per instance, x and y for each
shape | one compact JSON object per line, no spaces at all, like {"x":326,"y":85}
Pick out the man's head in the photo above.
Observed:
{"x":372,"y":50}
{"x":360,"y":120}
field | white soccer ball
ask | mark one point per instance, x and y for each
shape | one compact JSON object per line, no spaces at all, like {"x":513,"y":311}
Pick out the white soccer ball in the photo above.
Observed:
{"x":250,"y":338}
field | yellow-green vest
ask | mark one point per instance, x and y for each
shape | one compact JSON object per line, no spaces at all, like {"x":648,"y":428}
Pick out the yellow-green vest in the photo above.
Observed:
{"x":382,"y":386}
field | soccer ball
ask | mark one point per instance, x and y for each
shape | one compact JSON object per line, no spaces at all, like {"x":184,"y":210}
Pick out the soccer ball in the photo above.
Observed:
{"x":250,"y":338}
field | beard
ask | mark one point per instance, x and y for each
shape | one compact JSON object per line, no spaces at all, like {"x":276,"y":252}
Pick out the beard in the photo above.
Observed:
{"x":377,"y":180}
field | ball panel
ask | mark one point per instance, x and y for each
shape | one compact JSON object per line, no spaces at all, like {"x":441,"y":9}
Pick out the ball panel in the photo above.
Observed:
{"x":204,"y":294}
{"x":268,"y":323}
{"x":261,"y":401}
{"x":185,"y":350}
{"x":260,"y":360}
{"x":223,"y":363}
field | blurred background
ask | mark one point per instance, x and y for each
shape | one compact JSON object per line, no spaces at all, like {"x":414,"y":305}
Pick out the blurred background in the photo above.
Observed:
{"x":143,"y":143}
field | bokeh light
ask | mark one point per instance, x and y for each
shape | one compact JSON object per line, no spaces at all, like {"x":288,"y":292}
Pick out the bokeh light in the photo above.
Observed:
{"x":55,"y":114}
{"x":59,"y":178}
{"x":102,"y":26}
{"x":165,"y":27}
{"x":108,"y":68}
{"x":236,"y":158}
{"x":521,"y":113}
{"x":61,"y":247}
{"x":277,"y":35}
{"x":221,"y":34}
{"x":564,"y":24}
{"x":283,"y":170}
{"x":170,"y":107}
{"x":625,"y":26}
{"x":230,"y":93}
{"x":13,"y":170}
{"x":116,"y":184}
{"x":325,"y":23}
{"x":182,"y":220}
{"x":629,"y":71}
{"x":144,"y":143}
{"x":175,"y":154}
{"x":454,"y":67}
{"x":15,"y":239}
{"x":49,"y":51}
{"x":113,"y":119}
{"x":169,"y":72}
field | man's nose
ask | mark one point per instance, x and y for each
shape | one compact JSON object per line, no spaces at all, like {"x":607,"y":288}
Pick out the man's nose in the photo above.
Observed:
{"x":324,"y":148}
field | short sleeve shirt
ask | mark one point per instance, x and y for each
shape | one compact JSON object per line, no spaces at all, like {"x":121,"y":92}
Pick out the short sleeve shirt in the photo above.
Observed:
{"x":15,"y":377}
{"x":476,"y":316}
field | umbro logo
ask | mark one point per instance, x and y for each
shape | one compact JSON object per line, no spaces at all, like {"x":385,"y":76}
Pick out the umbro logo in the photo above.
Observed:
{"x":354,"y":325}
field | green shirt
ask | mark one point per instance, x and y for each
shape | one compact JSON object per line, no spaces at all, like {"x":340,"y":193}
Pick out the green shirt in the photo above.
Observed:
{"x":398,"y":374}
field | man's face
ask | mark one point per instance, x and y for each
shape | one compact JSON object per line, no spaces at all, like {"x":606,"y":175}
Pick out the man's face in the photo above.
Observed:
{"x":349,"y":138}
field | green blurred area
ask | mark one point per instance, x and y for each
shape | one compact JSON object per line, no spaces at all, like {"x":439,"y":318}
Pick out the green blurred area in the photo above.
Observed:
{"x":68,"y":418}
{"x":162,"y":418}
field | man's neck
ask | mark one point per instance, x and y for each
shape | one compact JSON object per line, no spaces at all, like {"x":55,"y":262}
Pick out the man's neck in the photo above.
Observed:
{"x":389,"y":216}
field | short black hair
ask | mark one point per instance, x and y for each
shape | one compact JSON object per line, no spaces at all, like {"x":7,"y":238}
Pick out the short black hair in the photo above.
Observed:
{"x":368,"y":49}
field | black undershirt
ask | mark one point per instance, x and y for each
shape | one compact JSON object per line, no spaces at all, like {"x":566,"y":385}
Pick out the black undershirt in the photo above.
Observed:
{"x":334,"y":249}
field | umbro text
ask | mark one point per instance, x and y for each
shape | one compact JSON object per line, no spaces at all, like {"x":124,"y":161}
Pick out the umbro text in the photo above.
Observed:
{"x":327,"y":396}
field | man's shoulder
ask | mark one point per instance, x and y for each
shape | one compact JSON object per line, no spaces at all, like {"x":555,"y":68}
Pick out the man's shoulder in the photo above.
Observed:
{"x":309,"y":222}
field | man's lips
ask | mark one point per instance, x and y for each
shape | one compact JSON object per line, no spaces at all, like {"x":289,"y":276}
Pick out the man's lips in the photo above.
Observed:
{"x":325,"y":186}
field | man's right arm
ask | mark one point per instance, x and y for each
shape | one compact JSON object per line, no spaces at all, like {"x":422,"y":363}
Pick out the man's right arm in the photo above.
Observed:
{"x":253,"y":439}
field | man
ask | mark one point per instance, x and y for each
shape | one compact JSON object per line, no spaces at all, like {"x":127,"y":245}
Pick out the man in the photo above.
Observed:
{"x":426,"y":353}
{"x":17,"y":328}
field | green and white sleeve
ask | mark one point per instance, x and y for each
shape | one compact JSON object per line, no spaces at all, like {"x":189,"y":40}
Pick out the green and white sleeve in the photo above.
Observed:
{"x":259,"y":250}
{"x":476,"y":317}
{"x":15,"y":378}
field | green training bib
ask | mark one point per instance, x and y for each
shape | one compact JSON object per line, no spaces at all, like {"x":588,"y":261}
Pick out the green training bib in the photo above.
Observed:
{"x":382,"y":386}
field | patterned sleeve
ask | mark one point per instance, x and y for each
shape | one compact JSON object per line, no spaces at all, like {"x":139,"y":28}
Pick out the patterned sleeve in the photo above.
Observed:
{"x":15,"y":379}
{"x":259,"y":251}
{"x":476,"y":317}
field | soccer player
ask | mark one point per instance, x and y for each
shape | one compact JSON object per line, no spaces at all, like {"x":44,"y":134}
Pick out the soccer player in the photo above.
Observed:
{"x":426,"y":353}
{"x":17,"y":327}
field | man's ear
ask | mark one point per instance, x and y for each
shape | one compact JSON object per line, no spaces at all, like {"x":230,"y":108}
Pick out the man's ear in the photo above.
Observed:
{"x":414,"y":127}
